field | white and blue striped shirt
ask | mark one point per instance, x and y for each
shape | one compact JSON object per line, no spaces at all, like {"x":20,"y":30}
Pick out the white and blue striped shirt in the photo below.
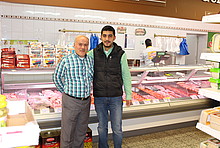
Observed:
{"x":74,"y":75}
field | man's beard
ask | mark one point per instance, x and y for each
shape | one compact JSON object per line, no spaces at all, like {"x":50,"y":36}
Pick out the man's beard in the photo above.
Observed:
{"x":107,"y":46}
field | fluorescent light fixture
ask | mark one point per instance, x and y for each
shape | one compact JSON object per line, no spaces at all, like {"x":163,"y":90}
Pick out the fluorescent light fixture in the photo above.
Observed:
{"x":40,"y":12}
{"x":156,"y":1}
{"x":91,"y":16}
{"x":215,"y":18}
{"x":163,"y":22}
{"x":133,"y":20}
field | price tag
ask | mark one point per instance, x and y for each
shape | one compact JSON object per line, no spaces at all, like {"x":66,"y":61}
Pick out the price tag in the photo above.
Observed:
{"x":166,"y":99}
{"x":155,"y":100}
{"x":45,"y":111}
{"x":201,"y":96}
{"x":57,"y":109}
{"x":193,"y":97}
{"x":92,"y":107}
{"x":135,"y":103}
{"x":147,"y":101}
{"x":124,"y":104}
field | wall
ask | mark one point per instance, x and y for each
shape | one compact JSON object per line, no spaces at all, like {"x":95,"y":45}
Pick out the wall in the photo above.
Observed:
{"x":42,"y":27}
{"x":187,"y":9}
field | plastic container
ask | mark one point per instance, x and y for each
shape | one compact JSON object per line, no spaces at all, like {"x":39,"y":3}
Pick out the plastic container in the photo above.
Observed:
{"x":3,"y":111}
{"x":215,"y":83}
{"x":215,"y":64}
{"x":50,"y":138}
{"x":215,"y":73}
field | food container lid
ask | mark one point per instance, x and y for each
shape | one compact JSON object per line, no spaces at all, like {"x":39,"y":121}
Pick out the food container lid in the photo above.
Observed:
{"x":217,"y":70}
{"x":214,"y":80}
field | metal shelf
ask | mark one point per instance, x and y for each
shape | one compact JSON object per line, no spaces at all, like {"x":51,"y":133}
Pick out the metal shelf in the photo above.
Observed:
{"x":207,"y":129}
{"x":210,"y":93}
{"x":210,"y":56}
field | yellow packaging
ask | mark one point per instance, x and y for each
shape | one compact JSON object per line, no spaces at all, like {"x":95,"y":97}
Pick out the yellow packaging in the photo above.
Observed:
{"x":3,"y":111}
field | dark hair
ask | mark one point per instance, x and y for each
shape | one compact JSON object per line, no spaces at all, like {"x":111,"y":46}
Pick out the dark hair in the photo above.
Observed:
{"x":148,"y":42}
{"x":108,"y":28}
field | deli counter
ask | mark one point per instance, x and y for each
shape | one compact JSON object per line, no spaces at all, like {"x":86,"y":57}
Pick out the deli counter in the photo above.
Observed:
{"x":162,"y":97}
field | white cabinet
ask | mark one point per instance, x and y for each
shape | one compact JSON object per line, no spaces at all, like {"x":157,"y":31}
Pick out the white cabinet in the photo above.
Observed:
{"x":210,"y":93}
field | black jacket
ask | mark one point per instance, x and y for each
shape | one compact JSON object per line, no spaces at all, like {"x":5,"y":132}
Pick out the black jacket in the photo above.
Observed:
{"x":107,"y":72}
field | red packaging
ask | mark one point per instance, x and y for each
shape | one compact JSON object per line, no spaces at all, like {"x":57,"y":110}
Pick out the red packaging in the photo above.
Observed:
{"x":22,"y":57}
{"x":8,"y":52}
{"x":8,"y":61}
{"x":8,"y":49}
{"x":88,"y":139}
{"x":50,"y":139}
{"x":8,"y":66}
{"x":9,"y":56}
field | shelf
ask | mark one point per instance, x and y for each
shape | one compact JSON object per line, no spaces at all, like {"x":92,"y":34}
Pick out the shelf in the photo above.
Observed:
{"x":210,"y":56}
{"x":208,"y":130}
{"x":27,"y":71}
{"x":28,"y":86}
{"x":170,"y":68}
{"x":210,"y":93}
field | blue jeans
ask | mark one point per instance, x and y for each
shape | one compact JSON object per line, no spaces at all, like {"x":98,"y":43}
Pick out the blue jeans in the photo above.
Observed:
{"x":114,"y":106}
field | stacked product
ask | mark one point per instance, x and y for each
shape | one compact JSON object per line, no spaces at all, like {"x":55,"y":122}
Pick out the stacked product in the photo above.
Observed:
{"x":215,"y":80}
{"x":35,"y":53}
{"x":8,"y":58}
{"x":48,"y":55}
{"x":22,"y":61}
{"x":3,"y":111}
{"x":60,"y":53}
{"x":211,"y":117}
{"x":210,"y":143}
{"x":215,"y":119}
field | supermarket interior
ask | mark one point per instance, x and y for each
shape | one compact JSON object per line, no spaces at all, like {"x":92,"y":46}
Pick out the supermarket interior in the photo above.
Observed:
{"x":175,"y":90}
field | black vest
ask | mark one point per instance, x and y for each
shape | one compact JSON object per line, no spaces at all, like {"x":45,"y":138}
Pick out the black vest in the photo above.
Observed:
{"x":107,"y":80}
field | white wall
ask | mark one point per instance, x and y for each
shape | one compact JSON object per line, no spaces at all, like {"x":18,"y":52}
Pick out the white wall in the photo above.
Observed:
{"x":47,"y":31}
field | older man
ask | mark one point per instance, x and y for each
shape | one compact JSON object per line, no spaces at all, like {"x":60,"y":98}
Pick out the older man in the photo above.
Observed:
{"x":73,"y":77}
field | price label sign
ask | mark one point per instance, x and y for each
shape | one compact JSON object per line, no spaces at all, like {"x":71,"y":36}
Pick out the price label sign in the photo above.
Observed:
{"x":45,"y":111}
{"x":147,"y":101}
{"x":57,"y":109}
{"x":92,"y":107}
{"x":135,"y":103}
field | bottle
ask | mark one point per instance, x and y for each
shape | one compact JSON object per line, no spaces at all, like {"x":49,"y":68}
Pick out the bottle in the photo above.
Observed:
{"x":3,"y":111}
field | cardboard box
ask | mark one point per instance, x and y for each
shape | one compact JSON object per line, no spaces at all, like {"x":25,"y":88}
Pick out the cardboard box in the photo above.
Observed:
{"x":22,"y":129}
{"x":205,"y":116}
{"x":215,"y":117}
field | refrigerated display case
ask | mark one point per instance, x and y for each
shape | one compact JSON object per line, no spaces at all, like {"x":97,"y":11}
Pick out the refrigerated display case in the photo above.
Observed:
{"x":145,"y":114}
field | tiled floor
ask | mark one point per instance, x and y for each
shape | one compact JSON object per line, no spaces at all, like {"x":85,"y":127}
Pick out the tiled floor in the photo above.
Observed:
{"x":188,"y":137}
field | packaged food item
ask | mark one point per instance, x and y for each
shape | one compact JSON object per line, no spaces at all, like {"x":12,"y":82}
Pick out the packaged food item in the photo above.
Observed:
{"x":215,"y":73}
{"x":215,"y":64}
{"x":8,"y":49}
{"x":215,"y":83}
{"x":213,"y":143}
{"x":3,"y":111}
{"x":50,"y":139}
{"x":88,"y":139}
{"x":205,"y":116}
{"x":49,"y":62}
{"x":22,"y":61}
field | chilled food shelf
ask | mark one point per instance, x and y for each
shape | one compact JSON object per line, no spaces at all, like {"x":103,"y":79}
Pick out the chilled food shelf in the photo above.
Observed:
{"x":29,"y":86}
{"x":170,"y":68}
{"x":27,"y":71}
{"x":208,"y":130}
{"x":210,"y":93}
{"x":211,"y":56}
